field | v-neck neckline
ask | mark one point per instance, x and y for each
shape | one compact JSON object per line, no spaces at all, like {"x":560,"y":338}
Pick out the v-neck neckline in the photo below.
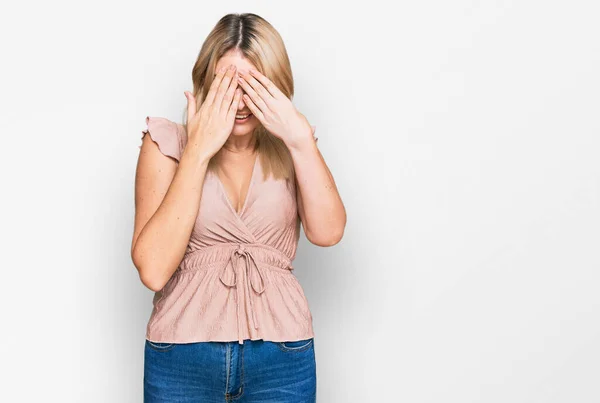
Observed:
{"x":250,"y":186}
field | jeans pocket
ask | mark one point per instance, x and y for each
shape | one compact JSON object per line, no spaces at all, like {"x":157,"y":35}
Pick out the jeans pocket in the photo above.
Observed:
{"x":158,"y":346}
{"x":295,"y":346}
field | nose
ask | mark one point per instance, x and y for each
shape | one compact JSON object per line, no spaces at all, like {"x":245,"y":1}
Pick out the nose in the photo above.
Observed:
{"x":242,"y":105}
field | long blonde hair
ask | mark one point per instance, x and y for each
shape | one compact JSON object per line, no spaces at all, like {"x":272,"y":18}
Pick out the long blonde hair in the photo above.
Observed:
{"x":261,"y":44}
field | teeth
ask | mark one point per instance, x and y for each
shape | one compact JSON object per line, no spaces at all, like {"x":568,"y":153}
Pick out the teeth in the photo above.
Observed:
{"x":241,"y":117}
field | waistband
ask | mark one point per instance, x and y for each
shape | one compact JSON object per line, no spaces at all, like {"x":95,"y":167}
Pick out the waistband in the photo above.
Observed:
{"x":210,"y":256}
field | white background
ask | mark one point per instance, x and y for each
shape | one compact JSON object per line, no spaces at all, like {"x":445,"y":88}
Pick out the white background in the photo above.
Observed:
{"x":464,"y":139}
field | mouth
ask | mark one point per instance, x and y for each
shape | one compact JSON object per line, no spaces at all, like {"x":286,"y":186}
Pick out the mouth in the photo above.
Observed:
{"x":242,"y":118}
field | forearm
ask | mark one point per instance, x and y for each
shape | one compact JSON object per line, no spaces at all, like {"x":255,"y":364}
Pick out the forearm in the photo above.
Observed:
{"x":162,"y":243}
{"x":324,"y":212}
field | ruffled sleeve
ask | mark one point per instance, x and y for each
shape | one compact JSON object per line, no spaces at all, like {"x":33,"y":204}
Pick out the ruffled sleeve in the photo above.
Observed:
{"x":165,"y":134}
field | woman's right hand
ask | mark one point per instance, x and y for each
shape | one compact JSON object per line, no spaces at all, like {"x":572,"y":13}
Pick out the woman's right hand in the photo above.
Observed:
{"x":210,"y":127}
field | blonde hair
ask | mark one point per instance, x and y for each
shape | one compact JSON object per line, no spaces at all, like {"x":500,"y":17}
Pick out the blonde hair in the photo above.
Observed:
{"x":259,"y":42}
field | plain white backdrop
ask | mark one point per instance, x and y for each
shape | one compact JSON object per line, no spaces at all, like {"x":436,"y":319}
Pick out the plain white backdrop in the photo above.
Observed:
{"x":463,"y":137}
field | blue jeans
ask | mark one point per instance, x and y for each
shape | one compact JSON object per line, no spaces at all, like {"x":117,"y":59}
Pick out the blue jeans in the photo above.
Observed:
{"x":207,"y":372}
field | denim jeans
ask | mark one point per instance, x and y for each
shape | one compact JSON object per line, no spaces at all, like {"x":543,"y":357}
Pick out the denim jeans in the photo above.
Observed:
{"x":207,"y":372}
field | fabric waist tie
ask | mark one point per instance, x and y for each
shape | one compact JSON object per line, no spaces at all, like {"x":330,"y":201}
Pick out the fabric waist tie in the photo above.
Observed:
{"x":250,"y":271}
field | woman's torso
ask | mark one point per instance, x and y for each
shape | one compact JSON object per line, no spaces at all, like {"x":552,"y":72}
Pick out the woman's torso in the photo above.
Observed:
{"x":235,"y":281}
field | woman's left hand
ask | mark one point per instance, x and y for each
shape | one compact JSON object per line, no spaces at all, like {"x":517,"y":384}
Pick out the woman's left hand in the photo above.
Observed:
{"x":273,"y":109}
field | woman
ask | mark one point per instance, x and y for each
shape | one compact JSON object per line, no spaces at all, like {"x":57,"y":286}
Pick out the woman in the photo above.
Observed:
{"x":219,"y":203}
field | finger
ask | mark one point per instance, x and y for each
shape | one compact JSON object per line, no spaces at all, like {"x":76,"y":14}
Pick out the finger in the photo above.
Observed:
{"x":223,"y":87}
{"x":191,"y":105}
{"x":266,"y":83}
{"x":234,"y":105}
{"x":258,"y":88}
{"x":256,"y":98}
{"x":210,"y":97}
{"x":228,"y":97}
{"x":254,"y":109}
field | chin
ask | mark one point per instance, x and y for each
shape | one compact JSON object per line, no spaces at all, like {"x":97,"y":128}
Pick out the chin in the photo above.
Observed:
{"x":242,"y":130}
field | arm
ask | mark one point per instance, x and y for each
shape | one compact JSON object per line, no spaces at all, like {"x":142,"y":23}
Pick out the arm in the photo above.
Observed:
{"x":167,"y":200}
{"x":320,"y":206}
{"x":167,"y":195}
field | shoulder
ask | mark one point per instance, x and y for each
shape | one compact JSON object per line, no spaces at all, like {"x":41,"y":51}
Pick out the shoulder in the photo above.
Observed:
{"x":163,"y":125}
{"x":168,"y":135}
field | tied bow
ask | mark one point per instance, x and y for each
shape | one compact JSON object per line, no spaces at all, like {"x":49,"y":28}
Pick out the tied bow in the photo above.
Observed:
{"x":250,"y":270}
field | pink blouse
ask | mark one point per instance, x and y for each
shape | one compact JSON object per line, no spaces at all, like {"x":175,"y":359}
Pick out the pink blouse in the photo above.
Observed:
{"x":236,"y":278}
